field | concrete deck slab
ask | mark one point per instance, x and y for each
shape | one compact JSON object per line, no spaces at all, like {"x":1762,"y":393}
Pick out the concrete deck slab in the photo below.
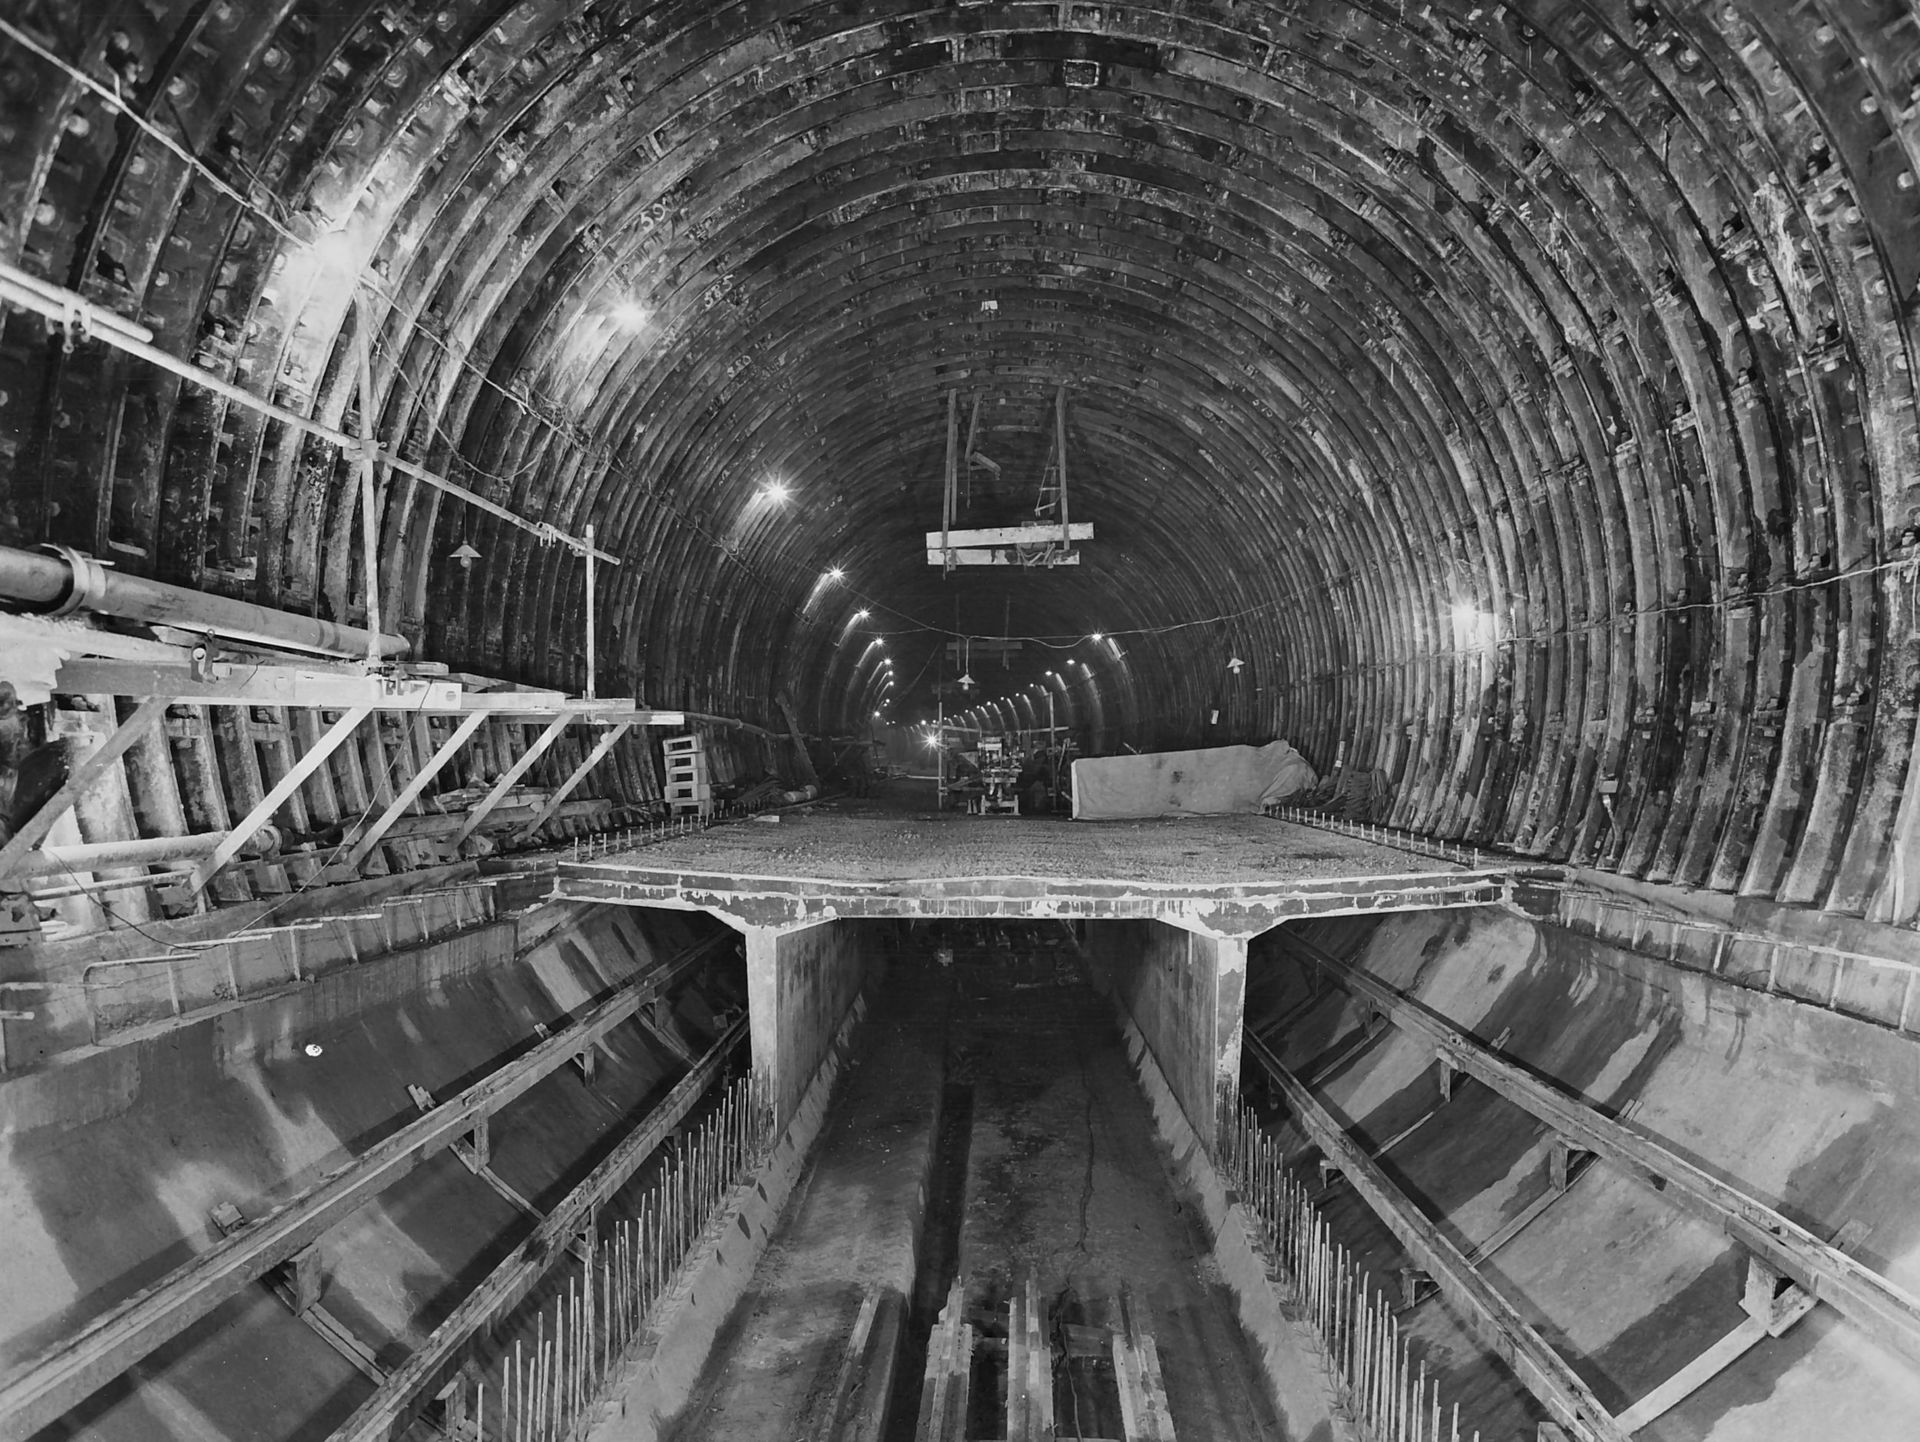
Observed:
{"x":1226,"y":876}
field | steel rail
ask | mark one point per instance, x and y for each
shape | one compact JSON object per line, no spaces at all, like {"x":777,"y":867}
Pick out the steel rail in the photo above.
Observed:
{"x":1501,"y":1328}
{"x":1886,"y":1311}
{"x":383,"y":1414}
{"x":62,"y":1376}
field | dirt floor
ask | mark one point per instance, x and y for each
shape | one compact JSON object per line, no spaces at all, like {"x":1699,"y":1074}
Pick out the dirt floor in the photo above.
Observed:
{"x":847,"y":1227}
{"x":1004,"y":1080}
{"x":901,"y":838}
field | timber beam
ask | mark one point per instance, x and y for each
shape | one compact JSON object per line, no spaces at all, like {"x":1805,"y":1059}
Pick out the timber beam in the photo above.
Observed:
{"x":1497,"y":1322}
{"x":1886,"y":1311}
{"x":242,"y":683}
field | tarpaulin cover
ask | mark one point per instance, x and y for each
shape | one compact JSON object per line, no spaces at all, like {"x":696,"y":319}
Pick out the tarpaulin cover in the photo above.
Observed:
{"x":1213,"y":782}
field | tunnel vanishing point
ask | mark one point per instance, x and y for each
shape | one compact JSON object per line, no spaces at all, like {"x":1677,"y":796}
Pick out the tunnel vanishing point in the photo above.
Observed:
{"x":510,"y":514}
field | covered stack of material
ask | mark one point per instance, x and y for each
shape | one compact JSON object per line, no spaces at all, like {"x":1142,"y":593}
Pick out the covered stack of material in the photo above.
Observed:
{"x":1214,"y":782}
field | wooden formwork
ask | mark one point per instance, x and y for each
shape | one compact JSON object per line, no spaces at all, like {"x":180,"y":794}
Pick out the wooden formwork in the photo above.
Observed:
{"x":196,"y":772}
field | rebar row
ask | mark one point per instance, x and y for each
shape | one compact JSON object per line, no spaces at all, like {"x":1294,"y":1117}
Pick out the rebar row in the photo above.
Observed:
{"x":629,"y":838}
{"x":1471,"y":856}
{"x":1385,"y":1387}
{"x":550,"y":1385}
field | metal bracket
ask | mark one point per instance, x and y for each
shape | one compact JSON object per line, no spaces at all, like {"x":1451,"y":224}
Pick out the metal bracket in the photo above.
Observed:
{"x":300,"y":1282}
{"x":1772,"y":1298}
{"x":475,"y":1149}
{"x":1561,"y":1161}
{"x":1415,"y":1287}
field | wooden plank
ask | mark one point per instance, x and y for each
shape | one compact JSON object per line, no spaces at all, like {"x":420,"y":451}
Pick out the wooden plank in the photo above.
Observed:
{"x":852,"y":1372}
{"x":1523,"y":1219}
{"x":225,"y":683}
{"x":89,"y":771}
{"x":946,"y":1387}
{"x":263,"y":685}
{"x":263,"y":812}
{"x":1029,"y":1369}
{"x":1887,"y":1311}
{"x":1156,"y":1421}
{"x":1695,"y":1375}
{"x":1011,"y":536}
{"x":411,"y":792}
{"x":65,"y":1374}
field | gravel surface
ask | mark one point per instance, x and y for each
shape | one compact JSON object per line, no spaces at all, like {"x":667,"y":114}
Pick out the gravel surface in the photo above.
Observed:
{"x":850,"y":841}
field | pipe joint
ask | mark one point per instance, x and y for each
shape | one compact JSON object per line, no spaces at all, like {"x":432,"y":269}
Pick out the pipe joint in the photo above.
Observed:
{"x":86,"y":582}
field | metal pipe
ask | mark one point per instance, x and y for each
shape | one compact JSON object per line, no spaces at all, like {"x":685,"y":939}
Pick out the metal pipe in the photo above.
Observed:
{"x":70,"y":581}
{"x":590,"y":579}
{"x":144,"y":851}
{"x":119,"y":883}
{"x":29,"y":292}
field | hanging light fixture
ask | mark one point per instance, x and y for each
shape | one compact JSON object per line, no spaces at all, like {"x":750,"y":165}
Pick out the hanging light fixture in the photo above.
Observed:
{"x":465,"y":555}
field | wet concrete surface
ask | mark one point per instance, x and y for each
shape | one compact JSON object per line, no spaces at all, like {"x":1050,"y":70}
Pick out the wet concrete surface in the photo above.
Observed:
{"x":891,"y":840}
{"x":1058,"y":1176}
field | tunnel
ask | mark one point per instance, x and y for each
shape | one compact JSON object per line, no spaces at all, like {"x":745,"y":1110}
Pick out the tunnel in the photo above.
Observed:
{"x":959,"y":719}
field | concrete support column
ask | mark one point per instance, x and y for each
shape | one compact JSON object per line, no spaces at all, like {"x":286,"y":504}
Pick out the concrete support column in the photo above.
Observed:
{"x":800,"y":983}
{"x":1186,"y":991}
{"x":1229,"y":961}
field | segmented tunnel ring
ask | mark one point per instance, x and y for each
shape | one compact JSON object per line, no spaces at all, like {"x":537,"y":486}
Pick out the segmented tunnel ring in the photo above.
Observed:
{"x":1594,"y":320}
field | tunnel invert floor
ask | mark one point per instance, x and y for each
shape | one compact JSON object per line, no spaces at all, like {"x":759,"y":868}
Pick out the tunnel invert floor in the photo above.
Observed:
{"x":1057,"y":1174}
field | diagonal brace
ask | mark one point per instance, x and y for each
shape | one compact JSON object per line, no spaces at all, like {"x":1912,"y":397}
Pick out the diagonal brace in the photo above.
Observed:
{"x":511,"y":777}
{"x":90,"y":770}
{"x":283,"y":788}
{"x":448,"y":750}
{"x":565,"y":789}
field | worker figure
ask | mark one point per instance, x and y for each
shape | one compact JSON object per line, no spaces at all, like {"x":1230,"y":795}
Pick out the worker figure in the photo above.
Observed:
{"x":1032,"y":787}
